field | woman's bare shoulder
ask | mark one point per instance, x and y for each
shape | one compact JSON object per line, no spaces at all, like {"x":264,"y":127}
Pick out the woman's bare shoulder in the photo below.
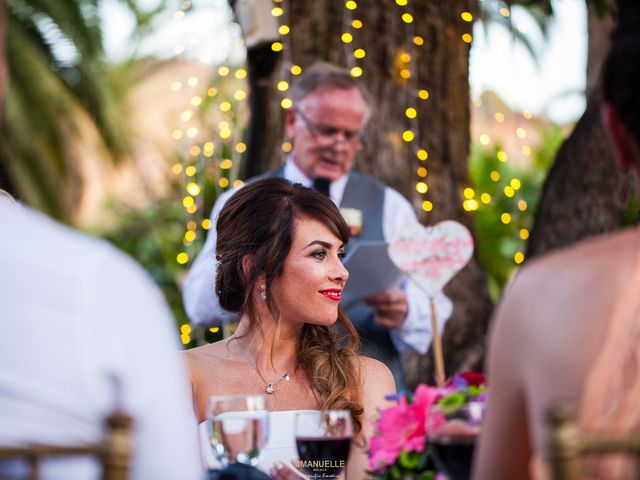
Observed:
{"x":206,"y":355}
{"x":375,"y":376}
{"x":604,"y":260}
{"x":203,"y":350}
{"x":561,"y":299}
{"x":591,"y":253}
{"x":371,"y":366}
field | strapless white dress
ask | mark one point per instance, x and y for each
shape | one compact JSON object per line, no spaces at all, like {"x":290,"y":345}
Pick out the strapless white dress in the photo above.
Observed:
{"x":280,"y":446}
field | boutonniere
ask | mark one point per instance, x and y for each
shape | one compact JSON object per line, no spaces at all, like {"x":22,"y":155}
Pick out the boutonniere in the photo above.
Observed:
{"x":353,"y":218}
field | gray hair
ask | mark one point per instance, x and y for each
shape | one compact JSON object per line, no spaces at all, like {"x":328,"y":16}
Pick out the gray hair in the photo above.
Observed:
{"x":323,"y":74}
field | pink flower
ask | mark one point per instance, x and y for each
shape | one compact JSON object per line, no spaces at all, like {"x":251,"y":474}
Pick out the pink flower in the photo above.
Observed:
{"x":401,"y":428}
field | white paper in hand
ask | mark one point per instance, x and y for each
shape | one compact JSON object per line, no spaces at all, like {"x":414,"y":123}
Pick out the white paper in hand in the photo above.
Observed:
{"x":370,"y":271}
{"x":431,"y":256}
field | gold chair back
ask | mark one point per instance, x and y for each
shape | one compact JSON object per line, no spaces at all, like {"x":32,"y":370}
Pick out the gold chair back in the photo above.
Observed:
{"x":114,"y":452}
{"x":566,"y":443}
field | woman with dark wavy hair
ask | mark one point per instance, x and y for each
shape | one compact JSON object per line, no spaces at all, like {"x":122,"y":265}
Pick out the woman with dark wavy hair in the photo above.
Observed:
{"x":569,"y":327}
{"x":279,"y":253}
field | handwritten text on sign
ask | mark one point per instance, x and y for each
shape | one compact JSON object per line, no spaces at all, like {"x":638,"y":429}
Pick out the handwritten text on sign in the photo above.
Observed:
{"x":431,"y":256}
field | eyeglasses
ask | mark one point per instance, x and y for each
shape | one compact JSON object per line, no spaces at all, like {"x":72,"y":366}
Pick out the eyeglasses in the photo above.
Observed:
{"x":329,"y":133}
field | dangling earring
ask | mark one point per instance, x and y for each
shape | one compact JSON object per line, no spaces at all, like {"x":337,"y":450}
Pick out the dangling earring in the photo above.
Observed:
{"x":263,"y":292}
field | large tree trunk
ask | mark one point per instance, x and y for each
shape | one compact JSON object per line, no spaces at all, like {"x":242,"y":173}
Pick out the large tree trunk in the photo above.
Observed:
{"x":584,"y":194}
{"x":442,"y":126}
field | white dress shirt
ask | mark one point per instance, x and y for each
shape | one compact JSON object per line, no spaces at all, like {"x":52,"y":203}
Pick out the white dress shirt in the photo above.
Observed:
{"x":203,"y":306}
{"x":82,"y":330}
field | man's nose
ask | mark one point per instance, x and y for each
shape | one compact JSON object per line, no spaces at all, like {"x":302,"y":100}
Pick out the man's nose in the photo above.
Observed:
{"x":339,"y":142}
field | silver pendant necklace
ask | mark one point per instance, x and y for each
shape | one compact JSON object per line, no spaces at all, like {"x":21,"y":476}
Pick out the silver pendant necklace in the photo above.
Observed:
{"x":271,"y":387}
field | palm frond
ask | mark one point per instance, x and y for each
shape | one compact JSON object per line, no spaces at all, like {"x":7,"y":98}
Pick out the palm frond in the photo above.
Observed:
{"x":40,"y":119}
{"x":540,"y":11}
{"x":69,"y":32}
{"x":57,"y":70}
{"x":74,"y":22}
{"x":144,"y":18}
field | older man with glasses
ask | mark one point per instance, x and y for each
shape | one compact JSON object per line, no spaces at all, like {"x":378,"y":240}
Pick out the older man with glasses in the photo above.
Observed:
{"x":331,"y":109}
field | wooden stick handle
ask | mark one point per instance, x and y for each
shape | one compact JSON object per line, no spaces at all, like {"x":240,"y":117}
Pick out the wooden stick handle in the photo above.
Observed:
{"x":436,"y":343}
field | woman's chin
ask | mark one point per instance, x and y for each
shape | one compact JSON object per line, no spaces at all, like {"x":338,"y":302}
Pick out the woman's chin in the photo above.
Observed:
{"x":325,"y":321}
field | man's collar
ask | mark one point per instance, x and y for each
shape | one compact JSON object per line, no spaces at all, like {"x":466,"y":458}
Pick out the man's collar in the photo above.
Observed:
{"x":295,"y":175}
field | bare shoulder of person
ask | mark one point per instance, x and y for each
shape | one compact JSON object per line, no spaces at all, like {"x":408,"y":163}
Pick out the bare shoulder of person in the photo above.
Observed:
{"x":371,"y":366}
{"x":589,"y":253}
{"x":195,"y":355}
{"x":200,"y":360}
{"x":375,"y":376}
{"x":563,"y":273}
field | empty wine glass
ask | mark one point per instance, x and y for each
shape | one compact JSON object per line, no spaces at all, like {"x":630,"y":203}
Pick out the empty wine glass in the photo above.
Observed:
{"x":323,"y":441}
{"x":452,"y":435}
{"x":238,"y":428}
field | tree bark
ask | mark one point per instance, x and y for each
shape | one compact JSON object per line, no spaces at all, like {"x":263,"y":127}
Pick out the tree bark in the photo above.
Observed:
{"x":585,"y":194}
{"x":261,"y":61}
{"x":441,"y":127}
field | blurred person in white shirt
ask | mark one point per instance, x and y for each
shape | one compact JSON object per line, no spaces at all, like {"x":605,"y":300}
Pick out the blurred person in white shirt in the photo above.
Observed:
{"x":84,"y":331}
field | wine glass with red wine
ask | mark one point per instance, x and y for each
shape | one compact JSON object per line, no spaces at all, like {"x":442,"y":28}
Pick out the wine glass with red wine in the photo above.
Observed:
{"x":452,"y":436}
{"x":323,"y":441}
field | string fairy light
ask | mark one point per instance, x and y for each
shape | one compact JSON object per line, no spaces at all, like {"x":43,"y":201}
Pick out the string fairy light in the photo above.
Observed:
{"x":203,"y":156}
{"x":350,"y":27}
{"x":355,"y":56}
{"x":405,"y":59}
{"x":289,"y":70}
{"x":508,"y":187}
{"x":283,"y":45}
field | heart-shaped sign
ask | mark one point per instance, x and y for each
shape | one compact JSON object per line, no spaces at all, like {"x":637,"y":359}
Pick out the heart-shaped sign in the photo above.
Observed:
{"x":431,"y":256}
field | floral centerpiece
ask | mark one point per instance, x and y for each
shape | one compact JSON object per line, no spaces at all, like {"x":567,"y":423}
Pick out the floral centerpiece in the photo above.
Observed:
{"x":399,"y":448}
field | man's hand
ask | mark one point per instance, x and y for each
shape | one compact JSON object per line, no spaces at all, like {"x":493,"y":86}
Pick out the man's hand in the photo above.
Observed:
{"x":390,"y":307}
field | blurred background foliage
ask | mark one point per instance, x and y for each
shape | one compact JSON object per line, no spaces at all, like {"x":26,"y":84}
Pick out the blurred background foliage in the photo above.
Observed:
{"x":155,"y":235}
{"x":61,"y":90}
{"x":500,"y":239}
{"x":152,"y":236}
{"x":65,"y":95}
{"x":168,"y":232}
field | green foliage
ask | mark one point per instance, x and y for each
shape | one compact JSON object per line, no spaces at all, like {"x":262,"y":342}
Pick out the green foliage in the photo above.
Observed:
{"x":59,"y":84}
{"x":410,"y":466}
{"x":156,"y":234}
{"x":498,"y":242}
{"x":153,"y":236}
